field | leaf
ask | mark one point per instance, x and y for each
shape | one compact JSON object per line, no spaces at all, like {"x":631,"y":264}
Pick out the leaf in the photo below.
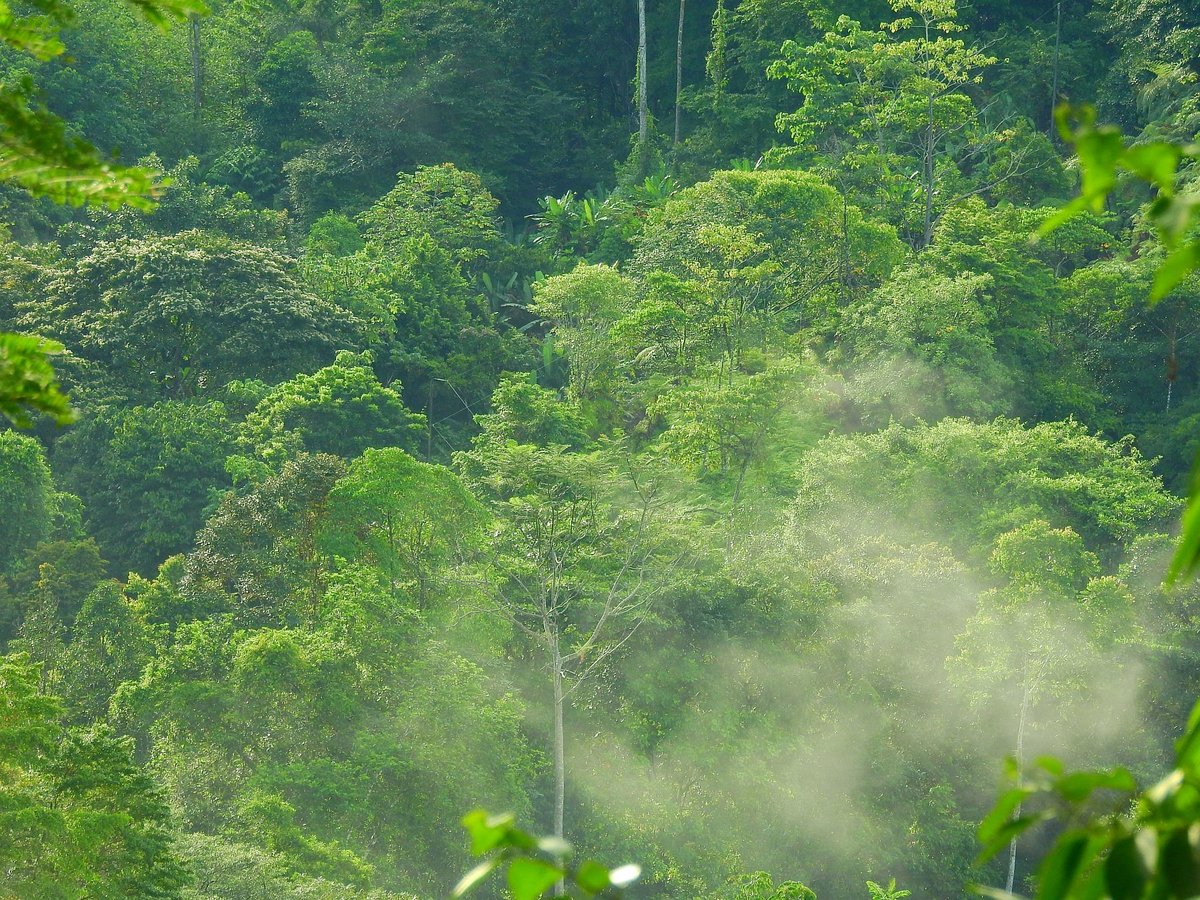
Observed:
{"x":1188,"y":745}
{"x":555,"y":846}
{"x":993,"y":893}
{"x":1177,"y":863}
{"x":1173,"y":216}
{"x":592,"y":877}
{"x":1156,"y":162}
{"x":1099,"y":149}
{"x":472,"y":879}
{"x":529,"y":878}
{"x":27,"y":381}
{"x":1177,"y":266}
{"x":1078,"y":786}
{"x":1063,"y":215}
{"x":1060,"y":867}
{"x":1124,"y":874}
{"x":487,"y":832}
{"x":1002,"y":814}
{"x":1012,"y":829}
{"x":1187,"y":551}
{"x":1051,"y":764}
{"x":625,"y":875}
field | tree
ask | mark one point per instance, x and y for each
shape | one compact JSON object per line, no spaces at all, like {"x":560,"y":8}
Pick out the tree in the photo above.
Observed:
{"x":411,"y":518}
{"x":579,"y":556}
{"x":39,"y":153}
{"x":723,"y":432}
{"x":428,"y":326}
{"x":179,"y":315}
{"x":341,"y":410}
{"x":679,"y":73}
{"x":767,"y":249}
{"x":920,"y":346}
{"x":1047,"y":639}
{"x":583,"y":306}
{"x":874,"y":103}
{"x":196,"y":201}
{"x":110,"y":644}
{"x":148,"y":476}
{"x":442,"y":202}
{"x":58,"y":573}
{"x":258,"y":555}
{"x":983,"y":474}
{"x":81,"y":818}
{"x":27,"y":500}
{"x":643,"y":107}
{"x":759,"y":886}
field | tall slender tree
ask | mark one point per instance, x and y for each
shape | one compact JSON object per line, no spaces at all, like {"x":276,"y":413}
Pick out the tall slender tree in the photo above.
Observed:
{"x":679,"y":68}
{"x":643,"y":112}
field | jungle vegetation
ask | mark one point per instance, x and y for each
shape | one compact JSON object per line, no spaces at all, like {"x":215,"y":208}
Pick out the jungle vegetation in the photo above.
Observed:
{"x":674,"y":425}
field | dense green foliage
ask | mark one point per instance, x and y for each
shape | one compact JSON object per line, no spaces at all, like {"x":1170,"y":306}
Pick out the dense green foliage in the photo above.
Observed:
{"x":731,"y":504}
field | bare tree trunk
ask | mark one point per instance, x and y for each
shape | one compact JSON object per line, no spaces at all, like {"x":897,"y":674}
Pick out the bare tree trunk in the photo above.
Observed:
{"x":928,"y":176}
{"x":679,"y":69}
{"x":560,"y":763}
{"x":560,"y":768}
{"x":1057,"y":44}
{"x":1012,"y":847}
{"x":844,"y":262}
{"x":643,"y":121}
{"x":197,"y":65}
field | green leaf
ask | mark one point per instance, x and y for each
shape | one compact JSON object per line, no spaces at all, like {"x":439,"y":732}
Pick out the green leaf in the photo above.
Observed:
{"x":1062,"y":215}
{"x":1187,"y":551}
{"x":1187,"y":748}
{"x":473,"y":878}
{"x":487,"y":832}
{"x":1002,"y":812}
{"x":1174,"y":269}
{"x":1177,"y":862}
{"x":1051,"y":764}
{"x":1005,"y":834}
{"x":27,"y":381}
{"x":1174,"y":217}
{"x":529,"y":878}
{"x":1078,"y":786}
{"x":1124,"y":873}
{"x":592,"y":877}
{"x":1099,"y":150}
{"x":1156,"y":162}
{"x":1058,"y":871}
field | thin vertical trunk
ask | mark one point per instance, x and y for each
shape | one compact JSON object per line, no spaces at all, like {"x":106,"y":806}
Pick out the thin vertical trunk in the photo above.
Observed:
{"x":1172,"y":359}
{"x":930,"y":146}
{"x":197,"y":65}
{"x":929,"y":174}
{"x":560,"y":768}
{"x":643,"y":119}
{"x":1057,"y":44}
{"x":844,"y":274}
{"x":1012,"y":846}
{"x":679,"y":69}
